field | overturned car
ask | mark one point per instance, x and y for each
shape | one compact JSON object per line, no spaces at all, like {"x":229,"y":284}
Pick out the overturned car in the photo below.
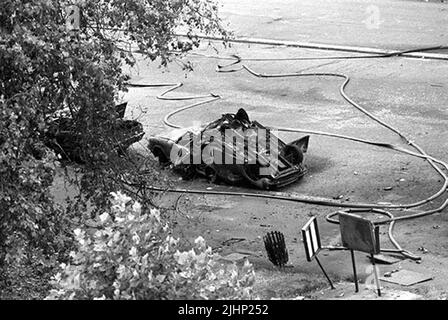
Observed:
{"x":235,"y":150}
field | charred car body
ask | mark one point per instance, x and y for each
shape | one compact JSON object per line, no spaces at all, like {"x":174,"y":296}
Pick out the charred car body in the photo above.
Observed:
{"x":63,"y":138}
{"x":235,"y":150}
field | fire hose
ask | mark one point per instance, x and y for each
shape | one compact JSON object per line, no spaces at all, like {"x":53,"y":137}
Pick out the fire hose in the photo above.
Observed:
{"x":349,"y":207}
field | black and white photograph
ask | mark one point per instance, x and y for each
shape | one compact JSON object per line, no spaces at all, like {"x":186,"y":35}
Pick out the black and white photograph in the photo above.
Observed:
{"x":249,"y":153}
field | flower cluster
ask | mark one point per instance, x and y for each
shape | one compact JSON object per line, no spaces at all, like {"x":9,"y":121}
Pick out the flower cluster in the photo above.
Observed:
{"x":131,"y":255}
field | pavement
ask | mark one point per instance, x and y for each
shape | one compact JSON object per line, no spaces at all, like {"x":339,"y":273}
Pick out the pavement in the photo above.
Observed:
{"x":411,"y":94}
{"x":346,"y":291}
{"x":386,"y":24}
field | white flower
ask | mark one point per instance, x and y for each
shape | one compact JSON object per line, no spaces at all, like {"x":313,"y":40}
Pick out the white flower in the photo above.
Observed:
{"x":119,"y":207}
{"x":57,"y":277}
{"x":200,"y":243}
{"x":136,"y":238}
{"x":211,"y":288}
{"x":181,"y":257}
{"x":133,"y":251}
{"x":116,"y":236}
{"x":119,"y":201}
{"x":121,"y":272}
{"x":104,"y":217}
{"x":72,"y":254}
{"x":171,"y":241}
{"x":200,"y":258}
{"x":120,"y":197}
{"x":137,"y":207}
{"x":78,"y":232}
{"x":155,"y":214}
{"x":98,"y":247}
{"x":185,"y":257}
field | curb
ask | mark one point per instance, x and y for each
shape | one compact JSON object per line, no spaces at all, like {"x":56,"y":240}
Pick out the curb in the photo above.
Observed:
{"x":330,"y":47}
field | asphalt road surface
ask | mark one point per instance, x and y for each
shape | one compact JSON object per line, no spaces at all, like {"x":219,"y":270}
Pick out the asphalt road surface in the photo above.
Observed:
{"x":388,"y":24}
{"x":410,"y":94}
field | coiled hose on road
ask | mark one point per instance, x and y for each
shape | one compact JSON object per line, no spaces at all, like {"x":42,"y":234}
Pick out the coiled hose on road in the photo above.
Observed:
{"x":352,"y":207}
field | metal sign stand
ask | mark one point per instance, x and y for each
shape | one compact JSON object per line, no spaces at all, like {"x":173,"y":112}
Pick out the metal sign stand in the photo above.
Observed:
{"x":311,"y":240}
{"x":323,"y":271}
{"x":360,"y":234}
{"x":377,"y":280}
{"x":355,"y":276}
{"x":375,"y":270}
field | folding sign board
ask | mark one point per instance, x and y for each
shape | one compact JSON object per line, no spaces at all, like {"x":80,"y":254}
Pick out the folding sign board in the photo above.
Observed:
{"x":311,"y":239}
{"x":358,"y":233}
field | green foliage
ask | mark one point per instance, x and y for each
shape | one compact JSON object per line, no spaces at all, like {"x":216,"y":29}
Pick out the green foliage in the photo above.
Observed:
{"x":131,"y":255}
{"x":47,"y":71}
{"x":30,"y":222}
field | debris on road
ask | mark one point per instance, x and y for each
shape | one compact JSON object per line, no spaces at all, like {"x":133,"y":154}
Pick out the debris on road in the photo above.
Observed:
{"x":231,"y":241}
{"x":274,"y":243}
{"x":406,"y":278}
{"x":235,"y":257}
{"x":385,"y":259}
{"x":423,"y":249}
{"x":389,"y":274}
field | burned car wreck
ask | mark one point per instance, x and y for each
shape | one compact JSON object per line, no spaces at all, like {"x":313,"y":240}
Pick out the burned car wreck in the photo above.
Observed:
{"x":232,"y":149}
{"x":64,"y":140}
